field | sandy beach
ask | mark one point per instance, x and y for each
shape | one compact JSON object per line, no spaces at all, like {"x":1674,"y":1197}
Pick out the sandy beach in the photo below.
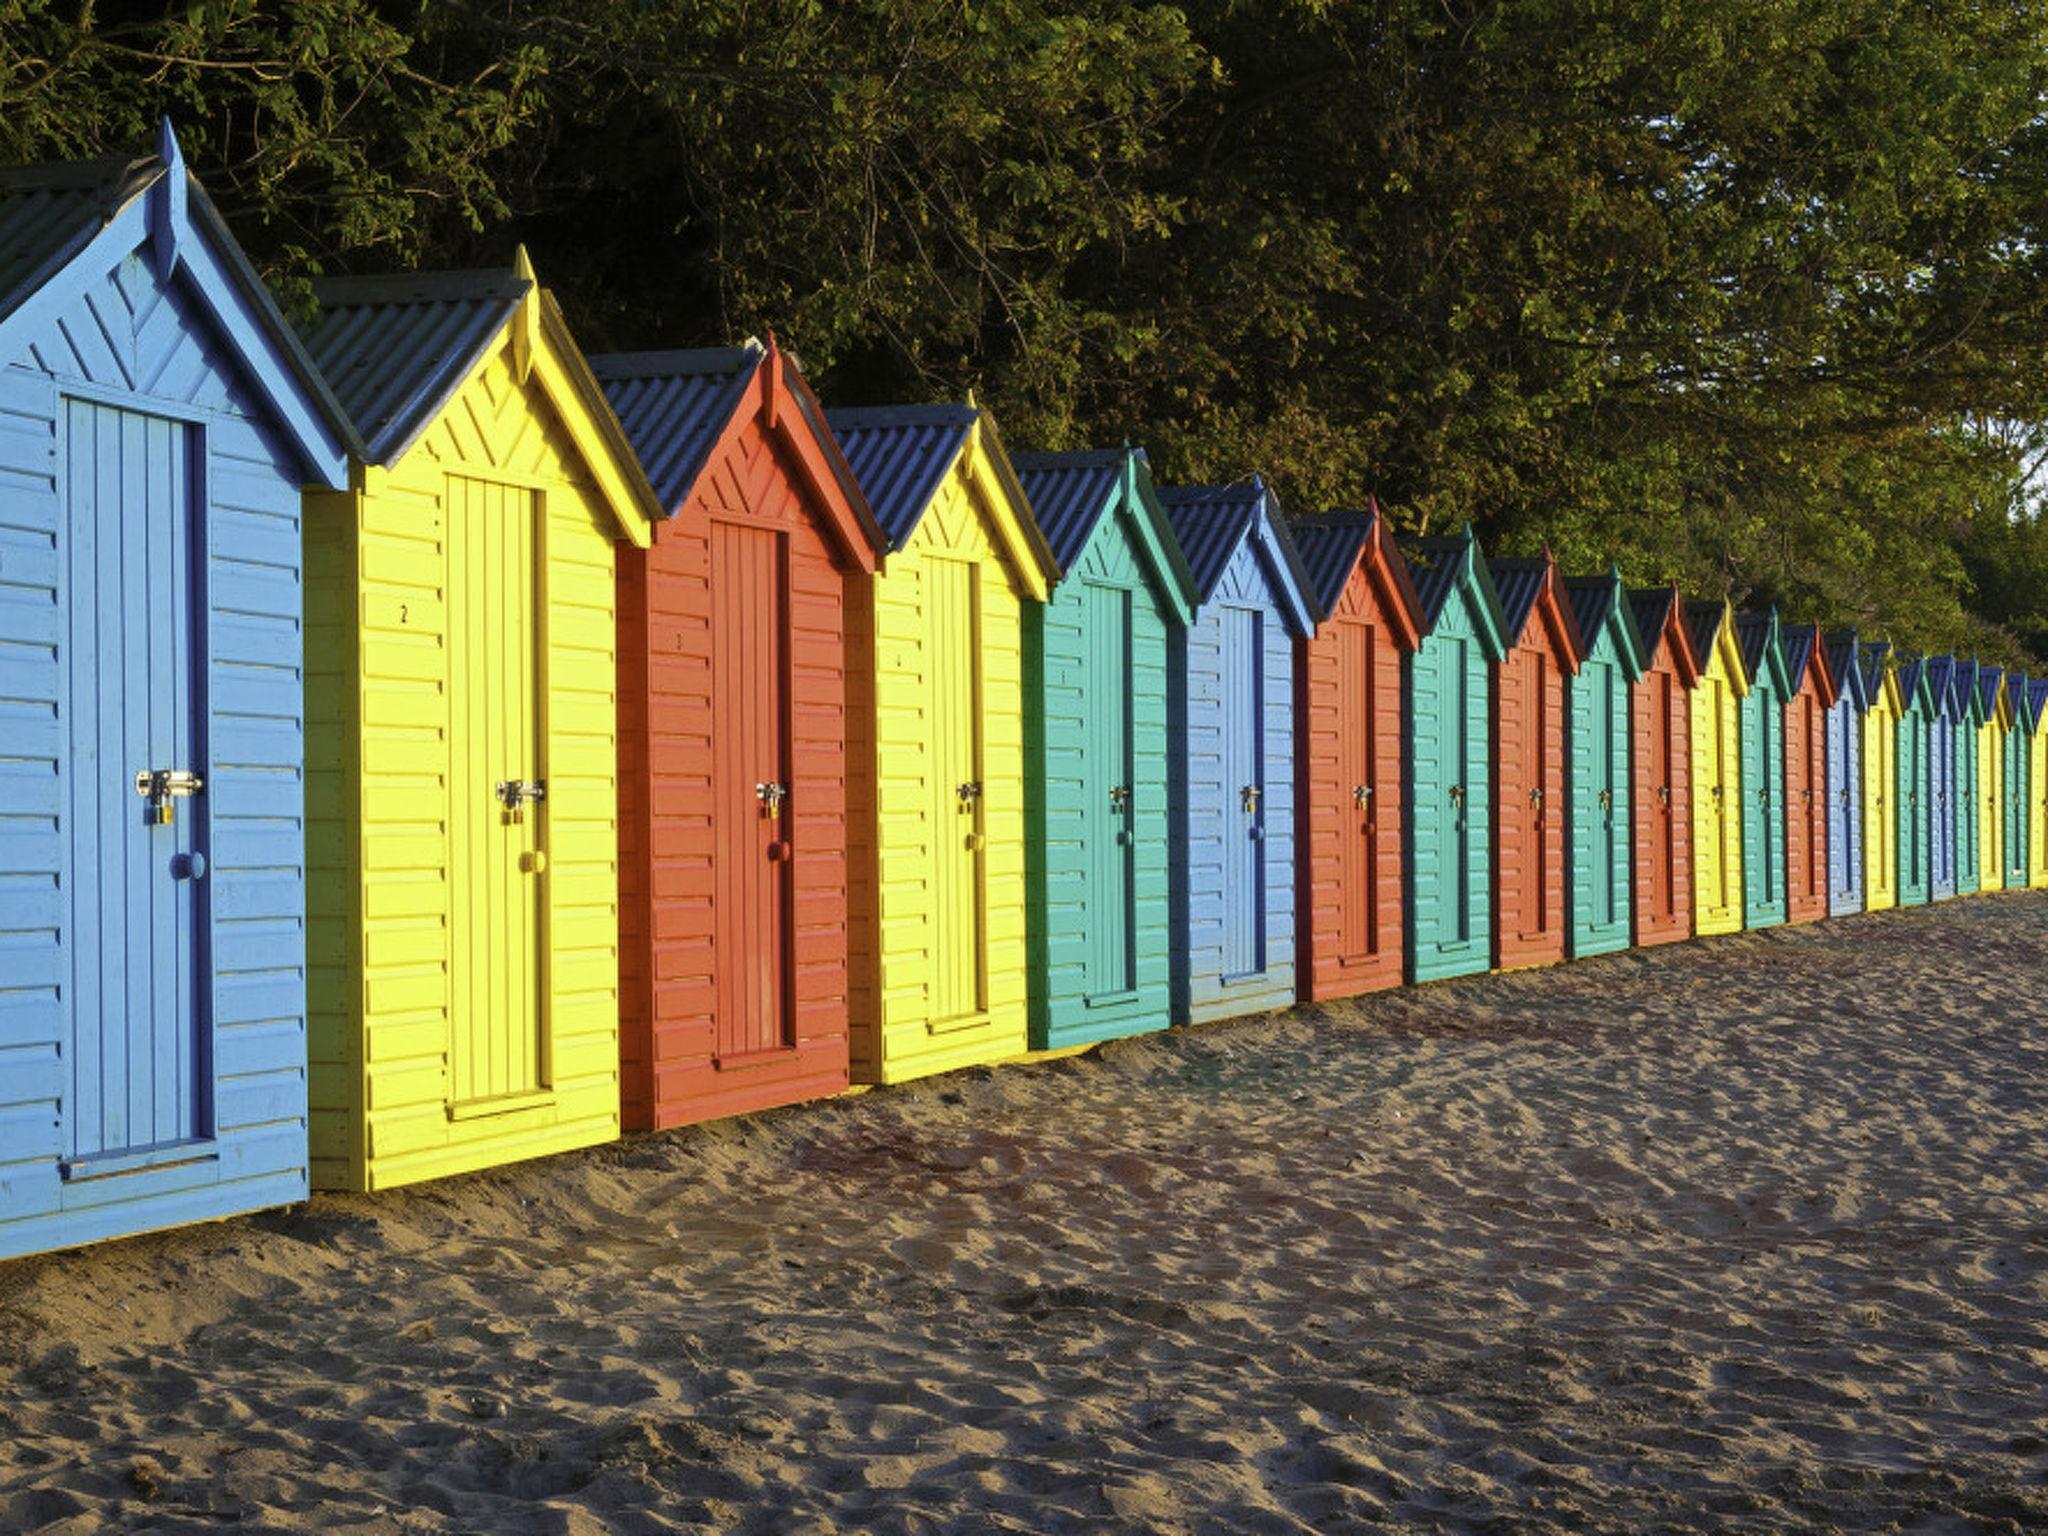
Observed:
{"x":1750,"y":1234}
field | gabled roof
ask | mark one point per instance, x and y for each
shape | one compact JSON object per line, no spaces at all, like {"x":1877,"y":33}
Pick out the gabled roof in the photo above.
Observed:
{"x":64,"y":226}
{"x":1444,"y":566}
{"x":1763,"y":649}
{"x":1807,"y":653}
{"x":1212,"y":521}
{"x":1530,"y":589}
{"x":398,"y":349}
{"x":1711,"y":628}
{"x":901,"y":455}
{"x":1969,"y":704}
{"x":1991,"y":689}
{"x":1915,"y":684}
{"x":2037,"y":702}
{"x":1334,"y":544}
{"x":1602,"y":602}
{"x":1943,"y":677}
{"x":679,"y":408}
{"x":1879,"y":676}
{"x":1071,"y":493}
{"x":1660,"y":620}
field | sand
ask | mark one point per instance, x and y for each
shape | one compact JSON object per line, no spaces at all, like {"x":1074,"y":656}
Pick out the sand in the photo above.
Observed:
{"x":1743,"y":1235}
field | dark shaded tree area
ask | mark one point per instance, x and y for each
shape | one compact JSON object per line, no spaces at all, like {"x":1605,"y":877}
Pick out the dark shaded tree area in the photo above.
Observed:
{"x":1750,"y":294}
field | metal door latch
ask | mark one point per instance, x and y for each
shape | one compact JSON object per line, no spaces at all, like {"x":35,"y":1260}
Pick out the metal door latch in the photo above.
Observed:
{"x":516,"y":794}
{"x":1536,"y":795}
{"x":771,"y":795}
{"x":969,"y":792}
{"x":1361,"y":795}
{"x":1663,"y":794}
{"x":160,"y":786}
{"x":1606,"y":799}
{"x":1248,"y":796}
{"x":1457,"y":794}
{"x":1120,"y":797}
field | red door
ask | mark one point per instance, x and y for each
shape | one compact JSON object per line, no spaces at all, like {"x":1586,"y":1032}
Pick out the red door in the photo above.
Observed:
{"x":750,"y":779}
{"x":1663,"y":824}
{"x":1529,"y":810}
{"x":1806,"y":809}
{"x":1358,"y":851}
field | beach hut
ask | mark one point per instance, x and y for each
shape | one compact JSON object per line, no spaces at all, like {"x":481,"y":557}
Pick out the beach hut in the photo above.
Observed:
{"x":1660,"y":718}
{"x":1806,"y":773}
{"x":1845,"y":775}
{"x":2017,"y":780}
{"x":1231,"y":722}
{"x":1914,"y":802}
{"x":463,"y":733}
{"x":1994,"y":725}
{"x":1097,"y":819}
{"x":1531,"y":692}
{"x":935,"y":775}
{"x":1350,"y":800}
{"x":1760,"y":723}
{"x":160,"y":422}
{"x":1880,"y":754}
{"x":2037,"y":784}
{"x":1599,"y":798}
{"x":1448,"y":744}
{"x":1944,"y":695}
{"x":1969,"y":722}
{"x":732,"y":737}
{"x":1717,"y":872}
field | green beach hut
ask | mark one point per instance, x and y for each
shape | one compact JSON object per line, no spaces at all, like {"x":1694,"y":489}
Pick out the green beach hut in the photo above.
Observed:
{"x":1600,"y":853}
{"x":1760,"y":728}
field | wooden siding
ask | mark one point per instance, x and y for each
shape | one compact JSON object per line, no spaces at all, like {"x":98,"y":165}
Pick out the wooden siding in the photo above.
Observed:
{"x":1096,"y":719}
{"x":1912,"y":804}
{"x":937,"y":885}
{"x":2037,"y":807}
{"x":1660,"y":716}
{"x":1806,"y":804}
{"x":1880,"y":756}
{"x":2013,"y":778}
{"x":1845,"y":805}
{"x":1990,"y":806}
{"x":1232,"y":722}
{"x":1969,"y":830}
{"x":1600,"y":800}
{"x":1941,"y":814}
{"x":1530,"y":918}
{"x":1761,"y":722}
{"x":1449,"y":731}
{"x":151,"y":349}
{"x":1717,"y":800}
{"x":719,"y":1015}
{"x":392,"y":970}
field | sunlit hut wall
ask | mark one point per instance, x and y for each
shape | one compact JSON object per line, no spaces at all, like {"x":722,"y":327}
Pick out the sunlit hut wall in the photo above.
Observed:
{"x":1351,"y":789}
{"x":935,"y":686}
{"x":1761,"y":725}
{"x":2037,"y":785}
{"x":1446,"y":703}
{"x":1845,"y":775}
{"x":159,"y":422}
{"x":1660,"y":721}
{"x":1806,"y":773}
{"x":1993,"y":726}
{"x":1096,"y":748}
{"x":1914,"y":797}
{"x":463,"y":723}
{"x":1530,"y":692}
{"x":2018,"y":736}
{"x":1880,"y":778}
{"x":1600,"y":801}
{"x":1716,"y":769}
{"x":733,"y":737}
{"x":1232,"y":728}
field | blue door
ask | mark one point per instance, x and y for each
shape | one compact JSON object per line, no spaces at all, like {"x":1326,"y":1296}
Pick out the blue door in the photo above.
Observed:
{"x":136,"y":1074}
{"x":1244,"y":792}
{"x":1845,"y":809}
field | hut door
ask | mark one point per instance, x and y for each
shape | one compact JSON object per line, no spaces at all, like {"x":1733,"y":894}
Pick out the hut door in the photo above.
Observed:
{"x":1108,"y":790}
{"x":1605,"y":784}
{"x":1941,"y":828}
{"x":137,"y":1074}
{"x":1907,"y":794}
{"x":1770,"y":779}
{"x":1358,"y":755}
{"x":1805,"y":797}
{"x":1713,"y":892}
{"x":750,"y":774}
{"x":1244,"y":790}
{"x":1666,"y":699}
{"x":2015,"y":806}
{"x":952,"y":648}
{"x":497,"y":787}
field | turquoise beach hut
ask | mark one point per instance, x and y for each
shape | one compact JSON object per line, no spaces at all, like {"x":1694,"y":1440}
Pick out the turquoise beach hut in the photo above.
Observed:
{"x":1600,"y":856}
{"x":2016,"y":783}
{"x":1915,"y":800}
{"x":1761,"y":727}
{"x":1969,"y":820}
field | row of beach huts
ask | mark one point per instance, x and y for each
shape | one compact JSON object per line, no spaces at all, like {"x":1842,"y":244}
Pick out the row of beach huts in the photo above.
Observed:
{"x":424,"y":747}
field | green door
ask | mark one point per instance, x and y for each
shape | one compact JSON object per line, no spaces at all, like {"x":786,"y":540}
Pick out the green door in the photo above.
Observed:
{"x":1106,"y":793}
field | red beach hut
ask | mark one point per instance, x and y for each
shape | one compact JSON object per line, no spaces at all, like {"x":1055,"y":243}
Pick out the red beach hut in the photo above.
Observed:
{"x":732,"y":738}
{"x":1661,"y":718}
{"x":1806,"y":774}
{"x":1350,"y":796}
{"x":1530,"y":692}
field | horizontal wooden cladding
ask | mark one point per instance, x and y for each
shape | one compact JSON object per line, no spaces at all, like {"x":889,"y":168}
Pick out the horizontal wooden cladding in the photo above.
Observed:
{"x":673,"y":944}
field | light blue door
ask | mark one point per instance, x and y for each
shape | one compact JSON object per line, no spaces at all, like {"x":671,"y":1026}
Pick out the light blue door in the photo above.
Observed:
{"x":135,"y":1074}
{"x":1244,"y":793}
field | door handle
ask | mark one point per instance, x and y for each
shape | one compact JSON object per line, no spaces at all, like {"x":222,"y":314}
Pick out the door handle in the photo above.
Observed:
{"x":1361,"y":795}
{"x":771,"y":795}
{"x":969,"y":792}
{"x":1457,"y":794}
{"x":1606,"y":799}
{"x":1248,"y":796}
{"x":516,"y":794}
{"x":159,"y":787}
{"x":1663,"y":794}
{"x":1536,"y":797}
{"x":1120,"y":798}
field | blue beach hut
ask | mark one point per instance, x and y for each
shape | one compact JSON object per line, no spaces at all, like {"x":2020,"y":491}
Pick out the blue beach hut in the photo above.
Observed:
{"x":1944,"y":706}
{"x":1845,"y":775}
{"x":1231,"y":725}
{"x":160,"y":425}
{"x":1969,"y":829}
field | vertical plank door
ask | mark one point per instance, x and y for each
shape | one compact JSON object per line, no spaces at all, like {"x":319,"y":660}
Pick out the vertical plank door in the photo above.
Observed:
{"x":952,"y":646}
{"x":1244,"y":781}
{"x":1107,"y":789}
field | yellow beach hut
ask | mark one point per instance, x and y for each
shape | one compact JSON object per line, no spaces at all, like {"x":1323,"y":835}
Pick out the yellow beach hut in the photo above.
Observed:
{"x":1716,"y":768}
{"x":1880,"y":753}
{"x":461,"y":733}
{"x":935,"y":766}
{"x":2037,"y":784}
{"x":1998,"y":716}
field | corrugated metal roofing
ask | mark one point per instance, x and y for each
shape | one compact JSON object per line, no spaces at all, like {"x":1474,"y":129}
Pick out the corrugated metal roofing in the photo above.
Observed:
{"x":1591,"y":599}
{"x":900,"y":454}
{"x":1946,"y":676}
{"x":1329,"y":544}
{"x":1753,"y":633}
{"x":1703,"y":624}
{"x":49,"y":213}
{"x":1798,"y":644}
{"x":1518,"y":583}
{"x":2037,"y":697}
{"x":674,"y":405}
{"x":395,"y":349}
{"x":1652,"y":609}
{"x":1435,"y":563}
{"x":1988,"y":681}
{"x":1210,"y":521}
{"x":1069,"y":492}
{"x":1872,"y":654}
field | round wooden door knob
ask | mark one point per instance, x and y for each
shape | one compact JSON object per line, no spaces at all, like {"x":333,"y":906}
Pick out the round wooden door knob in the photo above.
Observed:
{"x":533,"y":863}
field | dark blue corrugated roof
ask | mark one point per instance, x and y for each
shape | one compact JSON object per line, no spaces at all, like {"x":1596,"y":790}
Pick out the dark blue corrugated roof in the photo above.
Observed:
{"x":1988,"y":681}
{"x":1944,"y":678}
{"x":1591,"y":599}
{"x":1871,"y":654}
{"x":1703,"y":624}
{"x":1329,"y":544}
{"x":674,"y":405}
{"x":900,"y":454}
{"x":1069,"y":493}
{"x":1798,"y":652}
{"x":395,"y":349}
{"x":1435,"y":563}
{"x":49,"y":213}
{"x":1753,"y":634}
{"x":2037,"y":700}
{"x":1518,"y":583}
{"x":1210,"y":521}
{"x":1651,"y":607}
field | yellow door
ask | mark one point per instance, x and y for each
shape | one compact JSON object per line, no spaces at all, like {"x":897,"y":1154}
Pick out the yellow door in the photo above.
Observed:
{"x":497,"y":819}
{"x":1717,"y":807}
{"x":2037,"y":810}
{"x":953,"y":649}
{"x":1880,"y":821}
{"x":1990,"y":807}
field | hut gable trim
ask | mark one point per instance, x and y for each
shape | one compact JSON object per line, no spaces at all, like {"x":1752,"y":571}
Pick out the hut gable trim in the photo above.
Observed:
{"x":1211,"y":522}
{"x":1072,"y":493}
{"x":1881,"y":676}
{"x":1713,"y":635}
{"x":1659,"y":614}
{"x":1600,"y":606}
{"x":64,"y":228}
{"x":1806,"y":654}
{"x":1530,"y":591}
{"x":1847,"y":671}
{"x":1763,"y":650}
{"x":1335,"y":545}
{"x":1443,"y":567}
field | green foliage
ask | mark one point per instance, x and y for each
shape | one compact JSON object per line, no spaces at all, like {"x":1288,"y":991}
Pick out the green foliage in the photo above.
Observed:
{"x":1725,"y":290}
